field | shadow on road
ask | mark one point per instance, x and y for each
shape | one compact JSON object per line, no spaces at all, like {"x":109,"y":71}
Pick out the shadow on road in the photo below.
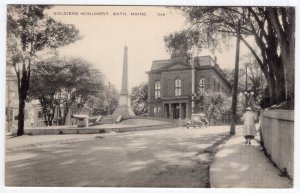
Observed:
{"x":146,"y":159}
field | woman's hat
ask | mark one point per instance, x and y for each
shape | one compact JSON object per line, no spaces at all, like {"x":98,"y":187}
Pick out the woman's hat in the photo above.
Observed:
{"x":248,"y":109}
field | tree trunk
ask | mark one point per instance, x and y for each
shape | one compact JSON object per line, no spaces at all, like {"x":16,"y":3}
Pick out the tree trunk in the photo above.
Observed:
{"x":46,"y":120}
{"x":210,"y":112}
{"x":286,"y":39}
{"x":279,"y":82}
{"x":271,"y":86}
{"x":22,"y":89}
{"x":65,"y":114}
{"x":290,"y":64}
{"x":21,"y":115}
{"x":290,"y":81}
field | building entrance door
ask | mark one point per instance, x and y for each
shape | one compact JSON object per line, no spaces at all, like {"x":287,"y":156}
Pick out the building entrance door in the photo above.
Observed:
{"x":176,"y":111}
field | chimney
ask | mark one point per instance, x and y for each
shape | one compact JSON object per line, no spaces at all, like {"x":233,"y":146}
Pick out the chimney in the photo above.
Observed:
{"x":216,"y":59}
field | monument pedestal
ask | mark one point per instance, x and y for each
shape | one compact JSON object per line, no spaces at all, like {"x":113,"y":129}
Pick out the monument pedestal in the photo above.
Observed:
{"x":123,"y":108}
{"x":125,"y":111}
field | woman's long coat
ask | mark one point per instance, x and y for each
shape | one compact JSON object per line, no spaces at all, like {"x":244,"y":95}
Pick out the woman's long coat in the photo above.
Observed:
{"x":249,"y":123}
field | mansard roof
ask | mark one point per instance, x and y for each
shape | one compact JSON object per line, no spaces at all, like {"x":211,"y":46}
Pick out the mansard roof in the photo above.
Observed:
{"x":159,"y":64}
{"x":198,"y":61}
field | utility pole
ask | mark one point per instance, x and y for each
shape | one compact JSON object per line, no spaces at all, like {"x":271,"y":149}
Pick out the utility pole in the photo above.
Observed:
{"x":235,"y":82}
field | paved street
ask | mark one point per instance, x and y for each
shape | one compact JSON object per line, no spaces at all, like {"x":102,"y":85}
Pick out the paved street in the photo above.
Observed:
{"x":158,"y":158}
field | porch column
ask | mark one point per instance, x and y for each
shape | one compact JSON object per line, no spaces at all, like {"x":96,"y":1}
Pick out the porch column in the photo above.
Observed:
{"x":170,"y":111}
{"x":187,"y":110}
{"x":180,"y":111}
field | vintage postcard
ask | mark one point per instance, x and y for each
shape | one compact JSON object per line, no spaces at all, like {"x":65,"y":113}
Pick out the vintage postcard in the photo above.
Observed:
{"x":150,"y":96}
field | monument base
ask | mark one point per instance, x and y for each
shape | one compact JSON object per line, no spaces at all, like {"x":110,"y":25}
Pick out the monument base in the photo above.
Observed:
{"x":123,"y":110}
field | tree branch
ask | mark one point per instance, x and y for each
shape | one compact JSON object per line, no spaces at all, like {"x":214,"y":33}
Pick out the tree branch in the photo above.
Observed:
{"x":254,"y":54}
{"x":273,"y":15}
{"x":284,"y":19}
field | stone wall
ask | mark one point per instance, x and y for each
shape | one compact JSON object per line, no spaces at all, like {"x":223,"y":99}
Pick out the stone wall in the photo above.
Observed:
{"x":277,"y":128}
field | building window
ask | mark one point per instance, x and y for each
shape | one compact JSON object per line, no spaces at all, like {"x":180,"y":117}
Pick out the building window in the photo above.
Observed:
{"x":202,"y":85}
{"x":177,"y":87}
{"x":157,"y":89}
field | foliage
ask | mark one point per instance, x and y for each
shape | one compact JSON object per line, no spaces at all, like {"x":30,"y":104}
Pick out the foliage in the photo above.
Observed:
{"x":213,"y":104}
{"x":69,"y":79}
{"x":46,"y":79}
{"x":30,"y":31}
{"x":105,"y":102}
{"x":272,"y":28}
{"x":256,"y":81}
{"x":139,"y":98}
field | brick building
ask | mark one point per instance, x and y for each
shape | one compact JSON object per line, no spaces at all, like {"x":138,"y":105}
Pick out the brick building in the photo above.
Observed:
{"x":172,"y":82}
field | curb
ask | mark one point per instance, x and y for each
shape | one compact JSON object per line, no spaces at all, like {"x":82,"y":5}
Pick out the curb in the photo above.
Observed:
{"x":91,"y":130}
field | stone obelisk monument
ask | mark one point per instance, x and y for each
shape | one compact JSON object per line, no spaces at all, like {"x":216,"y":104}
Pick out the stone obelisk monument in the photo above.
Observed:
{"x":124,"y":108}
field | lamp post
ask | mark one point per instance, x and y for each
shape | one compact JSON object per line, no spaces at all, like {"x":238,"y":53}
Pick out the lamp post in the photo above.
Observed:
{"x":247,"y":93}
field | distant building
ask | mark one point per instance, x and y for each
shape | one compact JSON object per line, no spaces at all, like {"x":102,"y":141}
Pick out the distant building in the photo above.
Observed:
{"x":173,"y":81}
{"x":33,"y":113}
{"x":11,"y":98}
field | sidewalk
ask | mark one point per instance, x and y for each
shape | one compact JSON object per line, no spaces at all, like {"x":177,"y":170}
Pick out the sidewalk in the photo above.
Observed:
{"x":244,"y":166}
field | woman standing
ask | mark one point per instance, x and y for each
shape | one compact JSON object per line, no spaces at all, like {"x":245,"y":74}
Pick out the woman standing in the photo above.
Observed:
{"x":249,"y":129}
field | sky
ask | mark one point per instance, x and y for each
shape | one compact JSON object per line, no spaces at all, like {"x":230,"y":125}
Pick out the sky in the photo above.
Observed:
{"x":112,"y":27}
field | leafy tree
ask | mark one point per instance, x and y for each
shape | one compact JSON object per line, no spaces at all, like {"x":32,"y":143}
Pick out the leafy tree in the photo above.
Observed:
{"x":213,"y":104}
{"x":29,"y":32}
{"x":106,"y":102}
{"x":46,"y":79}
{"x":71,"y":79}
{"x":272,"y":28}
{"x":256,"y":80}
{"x":82,"y":82}
{"x":139,"y":98}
